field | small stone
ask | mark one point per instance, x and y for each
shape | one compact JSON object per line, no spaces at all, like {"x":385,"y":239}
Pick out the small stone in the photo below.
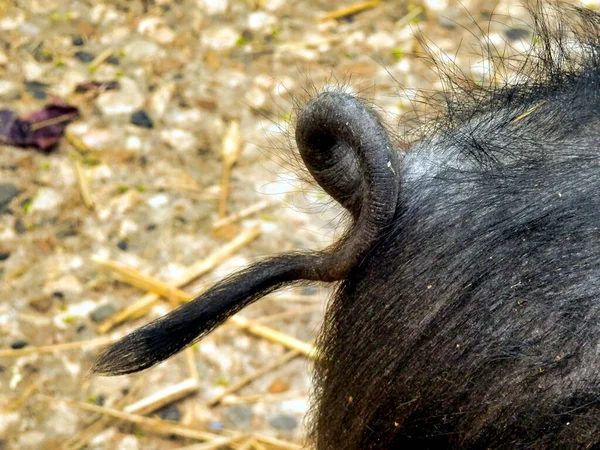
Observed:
{"x":126,"y":100}
{"x":9,"y":90}
{"x":171,"y":413}
{"x":238,"y":416}
{"x":155,"y":29}
{"x":128,"y":443}
{"x":19,"y":344}
{"x":516,"y":34}
{"x":284,"y":422}
{"x":447,"y":22}
{"x":84,"y":57}
{"x":7,"y":193}
{"x":158,"y":200}
{"x":41,"y":304}
{"x":278,"y":386}
{"x":215,"y":426}
{"x":221,"y":38}
{"x":112,"y":60}
{"x":4,"y":256}
{"x":47,"y":199}
{"x":102,"y":313}
{"x":37,"y":89}
{"x":260,"y":20}
{"x":212,"y":7}
{"x":123,"y":245}
{"x":140,"y":50}
{"x":179,"y":139}
{"x":141,"y":119}
{"x":77,"y":40}
{"x":20,"y":227}
{"x":256,"y":98}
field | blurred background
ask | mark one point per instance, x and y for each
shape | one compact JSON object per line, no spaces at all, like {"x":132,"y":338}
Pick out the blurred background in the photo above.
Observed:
{"x":147,"y":146}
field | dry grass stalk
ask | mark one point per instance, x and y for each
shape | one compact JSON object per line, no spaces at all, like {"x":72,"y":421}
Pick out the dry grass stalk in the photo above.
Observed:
{"x":272,"y":335}
{"x":28,"y":392}
{"x":222,"y":442}
{"x":242,"y":214}
{"x":193,"y":272}
{"x":408,"y":18}
{"x":230,"y":151}
{"x":163,"y":398}
{"x":84,"y":188}
{"x":277,"y":443}
{"x":145,"y":282}
{"x":103,"y":56}
{"x":349,"y":10}
{"x":190,"y":359}
{"x":528,"y":112}
{"x":49,"y":122}
{"x":246,"y":445}
{"x":158,"y":426}
{"x":16,"y":353}
{"x":100,"y":423}
{"x":253,"y":376}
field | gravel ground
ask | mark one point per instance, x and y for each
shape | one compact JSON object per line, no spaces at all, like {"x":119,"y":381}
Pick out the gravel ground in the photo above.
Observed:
{"x":150,"y":153}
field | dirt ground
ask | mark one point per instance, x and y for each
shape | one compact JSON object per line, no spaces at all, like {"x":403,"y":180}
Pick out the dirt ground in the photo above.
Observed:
{"x":137,"y":181}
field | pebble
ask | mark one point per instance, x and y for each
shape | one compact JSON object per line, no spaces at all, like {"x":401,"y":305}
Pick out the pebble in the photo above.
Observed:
{"x":84,"y":57}
{"x":260,"y":20}
{"x":256,"y":98}
{"x":238,"y":416}
{"x":179,"y":139}
{"x":9,"y":90}
{"x":516,"y":34}
{"x":158,"y":200}
{"x":126,"y":100}
{"x":221,"y":38}
{"x":123,"y":245}
{"x":41,"y":304}
{"x":160,"y":98}
{"x":37,"y":89}
{"x":128,"y":443}
{"x":47,"y":199}
{"x":213,"y":7}
{"x":141,"y":119}
{"x":77,"y":40}
{"x":155,"y":29}
{"x":140,"y":50}
{"x":4,"y":256}
{"x":12,"y":21}
{"x":7,"y":193}
{"x":171,"y":413}
{"x":284,"y":422}
{"x":102,"y":313}
{"x":16,"y":345}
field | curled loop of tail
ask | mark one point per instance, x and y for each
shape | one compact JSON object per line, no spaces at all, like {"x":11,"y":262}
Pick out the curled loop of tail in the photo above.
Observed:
{"x":348,"y":152}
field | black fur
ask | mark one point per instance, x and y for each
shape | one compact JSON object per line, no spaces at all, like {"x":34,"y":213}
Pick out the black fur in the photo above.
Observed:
{"x":468,"y":313}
